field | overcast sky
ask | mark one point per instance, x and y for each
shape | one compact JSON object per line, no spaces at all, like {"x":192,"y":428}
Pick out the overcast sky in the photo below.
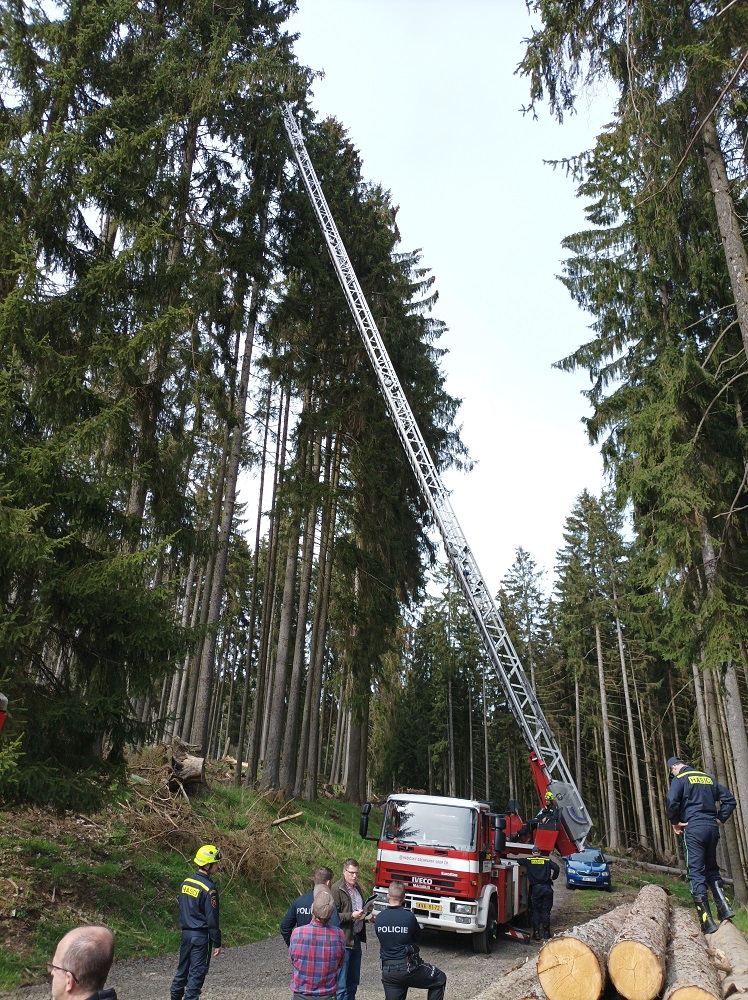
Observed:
{"x":428,"y":93}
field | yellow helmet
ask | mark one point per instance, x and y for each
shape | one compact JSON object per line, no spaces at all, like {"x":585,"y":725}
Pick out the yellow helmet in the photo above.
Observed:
{"x":207,"y":854}
{"x":549,"y":795}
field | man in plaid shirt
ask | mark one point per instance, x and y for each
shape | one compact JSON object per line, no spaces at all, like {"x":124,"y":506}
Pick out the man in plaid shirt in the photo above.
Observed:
{"x":317,"y":951}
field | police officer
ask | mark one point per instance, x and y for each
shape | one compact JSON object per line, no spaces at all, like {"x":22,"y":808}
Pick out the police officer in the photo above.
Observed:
{"x":299,"y":912}
{"x":201,"y":932}
{"x":692,"y":809}
{"x":546,"y":819}
{"x":402,"y":966}
{"x":541,"y":874}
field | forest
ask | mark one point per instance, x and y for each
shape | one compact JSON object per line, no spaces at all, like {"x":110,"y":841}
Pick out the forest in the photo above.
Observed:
{"x":170,"y":323}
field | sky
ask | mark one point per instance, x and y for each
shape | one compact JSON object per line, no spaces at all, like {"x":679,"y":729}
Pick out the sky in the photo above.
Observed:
{"x":428,"y":92}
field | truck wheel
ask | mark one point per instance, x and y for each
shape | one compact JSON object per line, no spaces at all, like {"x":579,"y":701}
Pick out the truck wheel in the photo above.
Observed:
{"x":483,"y":943}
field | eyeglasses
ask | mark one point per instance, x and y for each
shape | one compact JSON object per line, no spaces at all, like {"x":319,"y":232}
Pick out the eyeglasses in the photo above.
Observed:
{"x":352,"y":872}
{"x":51,"y":969}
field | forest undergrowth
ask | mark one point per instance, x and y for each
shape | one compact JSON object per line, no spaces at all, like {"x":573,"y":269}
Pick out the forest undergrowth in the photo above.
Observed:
{"x":123,"y":866}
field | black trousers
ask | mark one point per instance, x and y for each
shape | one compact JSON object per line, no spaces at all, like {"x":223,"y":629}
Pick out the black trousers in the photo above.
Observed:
{"x":194,"y":959}
{"x":397,"y":978}
{"x":700,"y":850}
{"x":541,"y":898}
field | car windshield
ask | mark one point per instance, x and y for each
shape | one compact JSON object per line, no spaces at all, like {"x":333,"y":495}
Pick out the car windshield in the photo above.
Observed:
{"x":430,"y":824}
{"x":590,"y":857}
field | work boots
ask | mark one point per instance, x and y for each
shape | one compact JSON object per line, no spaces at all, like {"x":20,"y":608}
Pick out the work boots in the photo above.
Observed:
{"x":708,"y":925}
{"x":724,"y":910}
{"x":536,"y":933}
{"x":547,"y":932}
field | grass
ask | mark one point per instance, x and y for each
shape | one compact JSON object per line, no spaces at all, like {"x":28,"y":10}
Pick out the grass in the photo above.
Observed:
{"x":124,"y":869}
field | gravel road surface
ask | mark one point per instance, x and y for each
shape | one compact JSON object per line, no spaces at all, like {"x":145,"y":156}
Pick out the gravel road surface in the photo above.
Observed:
{"x":262,"y":971}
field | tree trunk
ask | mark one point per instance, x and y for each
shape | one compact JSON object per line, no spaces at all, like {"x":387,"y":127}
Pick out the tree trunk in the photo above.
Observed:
{"x":636,"y":963}
{"x":690,"y":972}
{"x":239,"y":416}
{"x":290,"y":739}
{"x":271,"y":758}
{"x":613,"y":840}
{"x":730,"y":227}
{"x":634,"y":757}
{"x":240,"y":751}
{"x":738,"y":741}
{"x":253,"y":752}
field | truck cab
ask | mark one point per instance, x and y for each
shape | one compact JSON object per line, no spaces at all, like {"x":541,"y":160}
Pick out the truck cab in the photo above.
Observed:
{"x":448,"y":852}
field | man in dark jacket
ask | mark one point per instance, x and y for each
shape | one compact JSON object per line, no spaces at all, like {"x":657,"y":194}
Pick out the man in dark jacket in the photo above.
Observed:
{"x":541,"y":874}
{"x":692,"y":809}
{"x":81,"y":964}
{"x":402,"y":966}
{"x":349,"y":898}
{"x":201,"y":931}
{"x":300,"y":911}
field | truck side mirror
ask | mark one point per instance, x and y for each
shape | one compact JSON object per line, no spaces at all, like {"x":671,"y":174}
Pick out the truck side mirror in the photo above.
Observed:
{"x":499,"y":836}
{"x":363,"y":825}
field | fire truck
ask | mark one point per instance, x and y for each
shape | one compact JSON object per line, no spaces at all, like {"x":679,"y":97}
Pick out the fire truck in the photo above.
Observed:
{"x":459,"y":862}
{"x":476,"y":874}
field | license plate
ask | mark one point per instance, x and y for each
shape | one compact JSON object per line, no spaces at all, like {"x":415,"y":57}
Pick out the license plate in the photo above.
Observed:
{"x":433,"y":907}
{"x":589,"y":878}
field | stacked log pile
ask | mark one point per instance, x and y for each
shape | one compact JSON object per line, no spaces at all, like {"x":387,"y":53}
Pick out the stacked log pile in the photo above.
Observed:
{"x":646,"y":951}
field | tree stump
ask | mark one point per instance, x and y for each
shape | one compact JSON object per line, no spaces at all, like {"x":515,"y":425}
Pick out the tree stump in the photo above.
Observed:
{"x":636,"y":963}
{"x":733,"y":947}
{"x":690,"y":972}
{"x":574,"y":965}
{"x":187,"y":768}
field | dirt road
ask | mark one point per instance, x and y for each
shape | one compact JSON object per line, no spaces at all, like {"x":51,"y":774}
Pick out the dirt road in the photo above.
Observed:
{"x":262,"y":971}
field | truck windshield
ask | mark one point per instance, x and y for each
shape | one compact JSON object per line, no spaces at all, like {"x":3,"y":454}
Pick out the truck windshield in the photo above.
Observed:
{"x":430,"y":824}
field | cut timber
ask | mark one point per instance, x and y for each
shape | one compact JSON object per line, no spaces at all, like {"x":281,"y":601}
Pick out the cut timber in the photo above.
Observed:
{"x":574,"y":966}
{"x":519,"y":984}
{"x":734,"y":947}
{"x":636,"y":963}
{"x":690,"y":972}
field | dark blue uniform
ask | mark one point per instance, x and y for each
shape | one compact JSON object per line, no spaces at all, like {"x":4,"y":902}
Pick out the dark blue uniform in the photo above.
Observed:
{"x":198,"y":918}
{"x":692,"y":798}
{"x":541,"y":873}
{"x":547,"y":819}
{"x":397,"y":930}
{"x":300,"y":913}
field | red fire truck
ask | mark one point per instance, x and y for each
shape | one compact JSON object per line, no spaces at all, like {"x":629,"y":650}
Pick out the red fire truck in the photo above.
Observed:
{"x":458,"y":860}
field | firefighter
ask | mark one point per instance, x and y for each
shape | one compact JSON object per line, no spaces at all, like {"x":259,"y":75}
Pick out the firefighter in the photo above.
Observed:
{"x":692,"y":809}
{"x":541,"y":874}
{"x":546,"y":819}
{"x":402,"y":966}
{"x":201,"y":932}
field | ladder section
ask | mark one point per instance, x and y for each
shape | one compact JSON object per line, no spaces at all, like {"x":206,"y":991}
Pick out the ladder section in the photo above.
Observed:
{"x":521,"y":699}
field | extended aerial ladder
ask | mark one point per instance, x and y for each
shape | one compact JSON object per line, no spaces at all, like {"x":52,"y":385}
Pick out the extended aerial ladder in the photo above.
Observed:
{"x":549,"y":767}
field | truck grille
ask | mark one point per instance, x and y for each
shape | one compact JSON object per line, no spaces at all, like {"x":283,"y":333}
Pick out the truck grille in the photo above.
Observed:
{"x":438,"y":882}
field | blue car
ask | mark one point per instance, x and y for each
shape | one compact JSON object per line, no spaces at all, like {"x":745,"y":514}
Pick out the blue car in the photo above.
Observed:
{"x":589,"y":869}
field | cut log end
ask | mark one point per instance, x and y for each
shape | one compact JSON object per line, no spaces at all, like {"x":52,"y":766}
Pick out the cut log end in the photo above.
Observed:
{"x":635,"y":971}
{"x":691,"y":993}
{"x":568,"y":968}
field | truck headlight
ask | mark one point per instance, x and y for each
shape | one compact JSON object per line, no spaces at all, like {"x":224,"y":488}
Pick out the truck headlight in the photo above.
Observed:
{"x":466,"y":908}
